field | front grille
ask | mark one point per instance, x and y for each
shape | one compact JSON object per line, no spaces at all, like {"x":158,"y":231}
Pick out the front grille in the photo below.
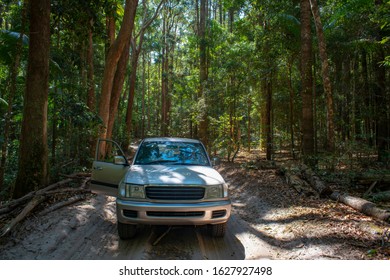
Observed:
{"x":218,"y":214}
{"x":130,"y":213}
{"x":175,"y":214}
{"x":175,"y":193}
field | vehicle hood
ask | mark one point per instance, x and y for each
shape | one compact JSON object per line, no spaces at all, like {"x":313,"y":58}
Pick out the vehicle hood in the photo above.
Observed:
{"x":173,"y":175}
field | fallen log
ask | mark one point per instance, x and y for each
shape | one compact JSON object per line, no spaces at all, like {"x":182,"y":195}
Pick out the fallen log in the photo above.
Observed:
{"x":17,"y":202}
{"x":85,"y":182}
{"x":67,"y":191}
{"x":80,"y":175}
{"x":299,"y":185}
{"x":63,"y":204}
{"x":29,"y":207}
{"x":37,"y":197}
{"x":362,"y":205}
{"x":290,"y":171}
{"x":315,"y":182}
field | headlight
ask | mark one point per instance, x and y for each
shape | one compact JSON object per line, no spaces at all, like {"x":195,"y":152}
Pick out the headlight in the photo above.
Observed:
{"x":216,"y":191}
{"x":132,"y":191}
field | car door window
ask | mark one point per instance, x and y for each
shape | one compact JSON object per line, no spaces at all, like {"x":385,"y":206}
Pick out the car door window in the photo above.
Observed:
{"x":107,"y":151}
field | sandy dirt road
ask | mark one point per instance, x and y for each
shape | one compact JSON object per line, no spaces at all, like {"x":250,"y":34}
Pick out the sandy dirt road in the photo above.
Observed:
{"x":269,"y":221}
{"x":88,"y":231}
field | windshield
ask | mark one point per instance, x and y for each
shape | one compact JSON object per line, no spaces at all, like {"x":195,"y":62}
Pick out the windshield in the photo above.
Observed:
{"x":169,"y":152}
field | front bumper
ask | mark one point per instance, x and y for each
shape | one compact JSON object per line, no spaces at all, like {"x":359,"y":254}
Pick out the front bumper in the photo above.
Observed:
{"x":153,"y":213}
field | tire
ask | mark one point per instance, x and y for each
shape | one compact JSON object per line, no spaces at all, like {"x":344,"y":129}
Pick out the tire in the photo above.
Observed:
{"x":218,"y":230}
{"x":126,"y":231}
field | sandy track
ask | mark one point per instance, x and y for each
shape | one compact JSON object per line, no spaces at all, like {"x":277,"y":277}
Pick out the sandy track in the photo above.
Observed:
{"x":269,"y":221}
{"x":88,"y":231}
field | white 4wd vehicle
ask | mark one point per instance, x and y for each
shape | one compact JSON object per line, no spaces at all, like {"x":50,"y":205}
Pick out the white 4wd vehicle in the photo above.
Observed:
{"x":171,"y":181}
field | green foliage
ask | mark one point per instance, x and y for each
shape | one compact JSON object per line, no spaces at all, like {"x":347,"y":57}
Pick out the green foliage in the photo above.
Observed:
{"x":8,"y":43}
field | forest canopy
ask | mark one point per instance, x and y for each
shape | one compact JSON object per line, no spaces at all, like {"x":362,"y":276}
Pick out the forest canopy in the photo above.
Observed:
{"x":306,"y":78}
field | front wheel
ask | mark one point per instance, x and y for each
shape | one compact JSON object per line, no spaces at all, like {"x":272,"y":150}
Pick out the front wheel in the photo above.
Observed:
{"x":126,"y":231}
{"x":218,"y":230}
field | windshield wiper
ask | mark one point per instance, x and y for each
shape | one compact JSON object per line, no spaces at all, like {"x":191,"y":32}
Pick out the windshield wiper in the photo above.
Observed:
{"x":186,"y":163}
{"x":161,"y":161}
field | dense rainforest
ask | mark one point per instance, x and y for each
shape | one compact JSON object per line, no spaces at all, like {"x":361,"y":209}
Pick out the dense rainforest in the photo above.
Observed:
{"x":307,"y":79}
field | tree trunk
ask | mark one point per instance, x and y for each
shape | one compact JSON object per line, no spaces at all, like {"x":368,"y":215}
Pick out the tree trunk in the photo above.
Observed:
{"x":110,"y":29}
{"x":164,"y":77}
{"x":91,"y":99}
{"x":33,"y":160}
{"x":306,"y":79}
{"x":362,"y":205}
{"x":325,"y":76}
{"x":132,"y":84}
{"x":249,"y":134}
{"x":315,"y":182}
{"x":291,"y":108}
{"x":143,"y":96}
{"x":117,"y":87}
{"x":366,"y":113}
{"x":269,"y":118}
{"x":203,"y":123}
{"x":113,"y":56}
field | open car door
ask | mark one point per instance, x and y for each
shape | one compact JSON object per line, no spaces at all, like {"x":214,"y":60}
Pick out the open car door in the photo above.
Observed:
{"x":109,"y":167}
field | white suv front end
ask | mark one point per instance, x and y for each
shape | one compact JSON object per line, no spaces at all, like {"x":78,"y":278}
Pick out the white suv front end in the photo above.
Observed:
{"x":170,"y":182}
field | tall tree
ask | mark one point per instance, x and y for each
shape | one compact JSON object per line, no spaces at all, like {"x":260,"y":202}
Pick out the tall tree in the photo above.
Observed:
{"x":325,"y":76}
{"x":33,"y":159}
{"x":203,"y":123}
{"x":306,"y":80}
{"x":113,"y":56}
{"x":91,"y":99}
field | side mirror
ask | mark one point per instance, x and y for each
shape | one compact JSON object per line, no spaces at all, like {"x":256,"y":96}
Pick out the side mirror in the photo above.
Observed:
{"x":120,"y":160}
{"x":216,"y":161}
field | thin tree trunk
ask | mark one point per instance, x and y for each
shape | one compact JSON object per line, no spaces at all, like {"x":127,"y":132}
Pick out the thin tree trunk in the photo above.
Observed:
{"x":33,"y":163}
{"x":249,"y":135}
{"x":91,"y":99}
{"x":306,"y":79}
{"x":325,"y":76}
{"x":164,"y":79}
{"x":269,"y":118}
{"x":132,"y":85}
{"x":143,"y":96}
{"x":290,"y":87}
{"x":203,"y":124}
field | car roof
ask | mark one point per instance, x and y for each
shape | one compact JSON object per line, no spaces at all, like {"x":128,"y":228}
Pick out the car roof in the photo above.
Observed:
{"x":171,"y":139}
